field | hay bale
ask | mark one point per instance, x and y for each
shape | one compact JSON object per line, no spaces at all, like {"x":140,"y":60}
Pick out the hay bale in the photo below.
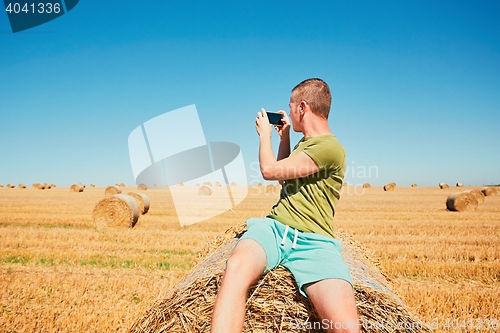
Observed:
{"x":389,"y":187}
{"x":142,"y":187}
{"x":52,"y":185}
{"x":207,"y":184}
{"x":205,"y":190}
{"x":112,"y":190}
{"x":478,"y":194}
{"x":82,"y":185}
{"x":181,"y":184}
{"x":21,"y":186}
{"x":142,"y":200}
{"x":271,"y":188}
{"x":443,"y":186}
{"x":367,"y":185}
{"x":47,"y":186}
{"x":233,"y":184}
{"x":461,"y":201}
{"x":122,"y":185}
{"x":413,"y":185}
{"x":489,"y":191}
{"x":76,"y":188}
{"x":217,"y":184}
{"x":119,"y":210}
{"x":274,"y":304}
{"x":11,"y":186}
{"x":1,"y":185}
{"x":38,"y":186}
{"x":460,"y":184}
{"x":92,"y":185}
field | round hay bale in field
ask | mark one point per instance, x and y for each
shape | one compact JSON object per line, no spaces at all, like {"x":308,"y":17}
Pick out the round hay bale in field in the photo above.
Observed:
{"x":367,"y":185}
{"x":478,"y":194}
{"x":112,"y":190}
{"x":119,"y":210}
{"x":142,"y":200}
{"x":259,"y":184}
{"x":38,"y":186}
{"x":122,"y":185}
{"x":271,"y":188}
{"x":233,"y":184}
{"x":76,"y":188}
{"x":142,"y":187}
{"x":217,"y":184}
{"x":181,"y":184}
{"x":274,"y":304}
{"x":21,"y":186}
{"x":92,"y":185}
{"x":460,"y":184}
{"x":11,"y":186}
{"x":413,"y":185}
{"x":393,"y":184}
{"x":461,"y":201}
{"x":82,"y":185}
{"x":1,"y":185}
{"x":205,"y":190}
{"x":389,"y":187}
{"x":489,"y":191}
{"x":207,"y":184}
{"x":47,"y":186}
{"x":443,"y":186}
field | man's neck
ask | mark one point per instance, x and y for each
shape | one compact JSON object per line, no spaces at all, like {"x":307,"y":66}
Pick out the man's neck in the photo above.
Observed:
{"x":316,"y":128}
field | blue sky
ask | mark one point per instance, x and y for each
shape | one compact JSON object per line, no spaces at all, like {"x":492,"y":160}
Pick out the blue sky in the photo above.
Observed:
{"x":415,"y":84}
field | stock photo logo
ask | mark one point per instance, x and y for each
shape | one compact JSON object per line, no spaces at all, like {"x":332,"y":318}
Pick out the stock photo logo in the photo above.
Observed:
{"x":171,"y":150}
{"x":25,"y":15}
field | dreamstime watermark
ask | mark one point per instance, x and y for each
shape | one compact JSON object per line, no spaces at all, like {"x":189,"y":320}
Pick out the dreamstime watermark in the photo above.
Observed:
{"x":25,"y":15}
{"x":164,"y":154}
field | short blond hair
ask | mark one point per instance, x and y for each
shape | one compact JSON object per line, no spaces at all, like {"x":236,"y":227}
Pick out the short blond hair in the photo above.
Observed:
{"x":316,"y":93}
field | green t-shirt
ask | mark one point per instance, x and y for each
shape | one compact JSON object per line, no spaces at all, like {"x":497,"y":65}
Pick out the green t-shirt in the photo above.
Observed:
{"x":308,"y":203}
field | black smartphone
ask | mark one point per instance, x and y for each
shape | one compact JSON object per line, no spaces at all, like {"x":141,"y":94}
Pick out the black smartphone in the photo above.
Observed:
{"x":275,"y":118}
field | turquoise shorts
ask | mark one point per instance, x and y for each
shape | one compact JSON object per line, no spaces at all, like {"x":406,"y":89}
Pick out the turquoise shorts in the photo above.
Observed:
{"x":310,"y":257}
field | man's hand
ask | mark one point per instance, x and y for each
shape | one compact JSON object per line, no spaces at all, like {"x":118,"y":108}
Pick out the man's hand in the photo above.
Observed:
{"x":285,"y":128}
{"x":262,"y":124}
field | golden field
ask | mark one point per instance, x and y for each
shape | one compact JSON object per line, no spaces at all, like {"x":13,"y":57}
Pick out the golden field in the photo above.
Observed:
{"x":61,"y":274}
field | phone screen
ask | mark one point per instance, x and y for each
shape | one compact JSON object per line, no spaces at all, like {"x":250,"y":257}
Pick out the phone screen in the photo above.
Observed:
{"x":275,"y":118}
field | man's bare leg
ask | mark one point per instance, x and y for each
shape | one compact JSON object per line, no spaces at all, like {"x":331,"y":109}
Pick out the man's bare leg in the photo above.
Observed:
{"x":335,"y":303}
{"x":246,"y":264}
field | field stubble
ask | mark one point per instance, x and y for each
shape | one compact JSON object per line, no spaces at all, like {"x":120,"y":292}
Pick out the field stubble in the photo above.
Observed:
{"x":60,"y":273}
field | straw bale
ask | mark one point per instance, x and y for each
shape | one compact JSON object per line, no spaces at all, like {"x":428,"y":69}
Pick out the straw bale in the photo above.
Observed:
{"x":1,"y":185}
{"x":82,"y":185}
{"x":181,"y":184}
{"x":121,"y":184}
{"x":413,"y":185}
{"x":205,"y":190}
{"x":460,"y":184}
{"x":38,"y":186}
{"x":142,"y":200}
{"x":119,"y":210}
{"x":207,"y":184}
{"x":489,"y":191}
{"x":217,"y":184}
{"x":52,"y":185}
{"x":259,"y":184}
{"x":76,"y":188}
{"x":47,"y":186}
{"x":367,"y":185}
{"x":393,"y":184}
{"x":112,"y":190}
{"x":461,"y":201}
{"x":271,"y":189}
{"x":92,"y":185}
{"x":478,"y":194}
{"x":274,"y":303}
{"x":11,"y":186}
{"x":443,"y":186}
{"x":142,"y":187}
{"x":389,"y":187}
{"x":233,"y":184}
{"x":21,"y":186}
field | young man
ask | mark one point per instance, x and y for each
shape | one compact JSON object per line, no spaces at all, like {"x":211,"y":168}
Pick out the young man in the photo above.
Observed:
{"x":298,"y":232}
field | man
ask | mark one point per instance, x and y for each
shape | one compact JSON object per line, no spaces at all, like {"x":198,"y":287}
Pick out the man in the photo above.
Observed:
{"x":298,"y":233}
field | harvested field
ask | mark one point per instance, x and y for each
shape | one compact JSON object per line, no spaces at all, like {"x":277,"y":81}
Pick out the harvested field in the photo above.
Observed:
{"x":60,"y":273}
